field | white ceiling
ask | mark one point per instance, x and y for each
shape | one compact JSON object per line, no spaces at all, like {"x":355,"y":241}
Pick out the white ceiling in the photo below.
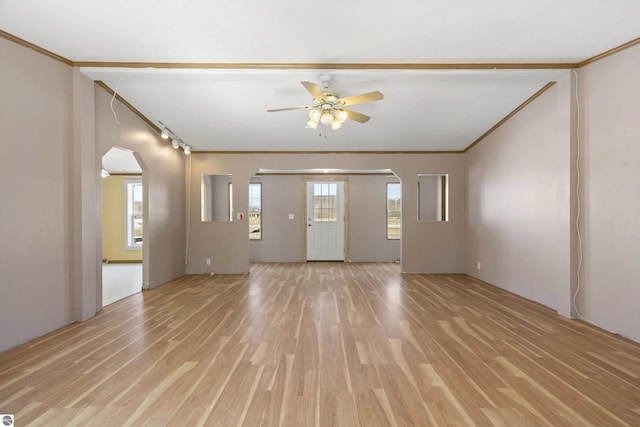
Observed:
{"x":120,"y":160}
{"x":236,"y":59}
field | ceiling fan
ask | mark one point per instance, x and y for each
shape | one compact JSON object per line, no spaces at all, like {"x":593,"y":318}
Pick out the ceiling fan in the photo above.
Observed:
{"x":328,"y":108}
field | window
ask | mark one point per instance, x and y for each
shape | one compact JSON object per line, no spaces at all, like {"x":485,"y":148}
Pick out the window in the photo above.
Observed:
{"x":325,"y":202}
{"x":394,"y":207}
{"x":133,"y":213}
{"x":255,"y":211}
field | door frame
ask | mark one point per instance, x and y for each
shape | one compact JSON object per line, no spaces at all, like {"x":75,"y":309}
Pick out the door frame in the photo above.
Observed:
{"x":345,"y":196}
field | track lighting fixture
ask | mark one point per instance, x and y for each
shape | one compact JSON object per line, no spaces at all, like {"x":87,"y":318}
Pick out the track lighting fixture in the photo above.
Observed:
{"x":176,"y":142}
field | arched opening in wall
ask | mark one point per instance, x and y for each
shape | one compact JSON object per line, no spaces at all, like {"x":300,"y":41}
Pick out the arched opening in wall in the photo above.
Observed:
{"x":123,"y":206}
{"x":287,"y":207}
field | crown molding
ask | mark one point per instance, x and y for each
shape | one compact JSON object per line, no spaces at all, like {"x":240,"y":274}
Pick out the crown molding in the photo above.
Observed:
{"x":21,"y":42}
{"x":325,"y":152}
{"x":144,"y":118}
{"x":511,"y":114}
{"x":609,"y":53}
{"x":333,"y":173}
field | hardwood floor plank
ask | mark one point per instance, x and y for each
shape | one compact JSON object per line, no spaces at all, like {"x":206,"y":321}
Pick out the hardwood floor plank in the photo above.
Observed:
{"x":337,"y":409}
{"x":323,"y":344}
{"x":407,"y":407}
{"x":229,"y":409}
{"x":372,"y":410}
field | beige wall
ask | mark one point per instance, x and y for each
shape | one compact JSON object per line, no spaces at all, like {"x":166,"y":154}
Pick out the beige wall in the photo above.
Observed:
{"x":35,"y":175}
{"x":163,"y":180}
{"x":55,"y":128}
{"x":113,"y":223}
{"x":519,"y":202}
{"x":368,"y":220}
{"x":522,"y":200}
{"x":426,"y":246}
{"x":283,"y":239}
{"x":610,"y":105}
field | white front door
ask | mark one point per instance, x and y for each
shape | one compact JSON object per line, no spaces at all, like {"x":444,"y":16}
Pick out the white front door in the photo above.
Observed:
{"x":325,"y":220}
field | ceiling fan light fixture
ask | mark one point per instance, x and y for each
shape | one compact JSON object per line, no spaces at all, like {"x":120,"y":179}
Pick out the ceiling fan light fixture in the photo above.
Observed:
{"x":326,"y":118}
{"x":314,"y":115}
{"x":328,"y":108}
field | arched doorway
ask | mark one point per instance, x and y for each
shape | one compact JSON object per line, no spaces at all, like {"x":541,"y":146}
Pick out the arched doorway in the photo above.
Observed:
{"x":122,"y":225}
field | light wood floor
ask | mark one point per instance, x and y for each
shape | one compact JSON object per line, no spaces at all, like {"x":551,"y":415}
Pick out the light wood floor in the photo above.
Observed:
{"x":324,"y":344}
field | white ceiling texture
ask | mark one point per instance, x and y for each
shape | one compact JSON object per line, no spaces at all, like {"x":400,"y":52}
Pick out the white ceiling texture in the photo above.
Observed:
{"x":449,"y":70}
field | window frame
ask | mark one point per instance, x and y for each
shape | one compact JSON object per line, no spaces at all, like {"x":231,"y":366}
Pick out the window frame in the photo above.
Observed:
{"x":259,"y":215}
{"x":130,"y":216}
{"x":230,"y":199}
{"x":398,"y":209}
{"x":325,"y":204}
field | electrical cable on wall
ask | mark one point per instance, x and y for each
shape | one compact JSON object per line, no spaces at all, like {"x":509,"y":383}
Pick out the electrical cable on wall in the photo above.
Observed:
{"x":115,"y":91}
{"x":579,"y":267}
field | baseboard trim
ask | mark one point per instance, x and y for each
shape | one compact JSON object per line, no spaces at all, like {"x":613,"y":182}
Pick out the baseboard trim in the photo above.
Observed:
{"x":121,"y":261}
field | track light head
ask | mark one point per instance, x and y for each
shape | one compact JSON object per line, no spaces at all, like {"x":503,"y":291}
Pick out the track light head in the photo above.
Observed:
{"x":176,"y":142}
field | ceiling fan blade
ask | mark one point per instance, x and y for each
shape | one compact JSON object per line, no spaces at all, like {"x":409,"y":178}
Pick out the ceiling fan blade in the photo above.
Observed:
{"x":313,"y":89}
{"x":304,"y":107}
{"x":359,"y":99}
{"x":358,"y":117}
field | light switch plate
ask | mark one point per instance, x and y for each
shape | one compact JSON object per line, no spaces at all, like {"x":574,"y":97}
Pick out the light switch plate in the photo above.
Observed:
{"x":292,"y":216}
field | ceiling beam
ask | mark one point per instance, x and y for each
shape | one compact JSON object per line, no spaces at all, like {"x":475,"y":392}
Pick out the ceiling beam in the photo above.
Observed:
{"x":326,"y":66}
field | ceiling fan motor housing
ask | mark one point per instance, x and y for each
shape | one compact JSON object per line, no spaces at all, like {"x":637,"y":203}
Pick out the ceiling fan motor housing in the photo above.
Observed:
{"x":326,"y":80}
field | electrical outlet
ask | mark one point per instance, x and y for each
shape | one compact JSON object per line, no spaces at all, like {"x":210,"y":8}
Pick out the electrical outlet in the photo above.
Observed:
{"x":207,"y":262}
